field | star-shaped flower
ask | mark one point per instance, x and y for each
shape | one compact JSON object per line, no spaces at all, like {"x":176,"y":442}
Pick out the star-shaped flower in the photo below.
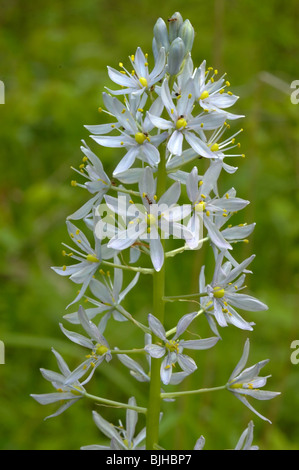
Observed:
{"x":140,"y":79}
{"x":173,"y":348}
{"x":246,"y":382}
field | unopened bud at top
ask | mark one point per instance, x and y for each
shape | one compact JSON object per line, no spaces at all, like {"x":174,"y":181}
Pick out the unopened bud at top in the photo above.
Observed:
{"x":161,"y":34}
{"x":175,"y":22}
{"x":176,"y":56}
{"x":187,"y":34}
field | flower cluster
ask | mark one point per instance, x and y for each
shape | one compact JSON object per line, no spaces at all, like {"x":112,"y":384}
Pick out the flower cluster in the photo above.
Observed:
{"x":170,"y":122}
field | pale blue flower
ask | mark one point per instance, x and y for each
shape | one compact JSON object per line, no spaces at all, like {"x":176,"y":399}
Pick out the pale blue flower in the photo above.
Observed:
{"x":98,"y":182}
{"x":182,"y":124}
{"x":247,"y":383}
{"x":89,"y":259}
{"x":173,"y":348}
{"x":107,"y":296}
{"x":246,"y":438}
{"x":140,"y":79}
{"x":211,"y":92}
{"x":133,"y":132}
{"x":94,"y":342}
{"x":66,"y":395}
{"x":152,"y":216}
{"x":121,"y":438}
{"x":206,"y":208}
{"x":223,"y":294}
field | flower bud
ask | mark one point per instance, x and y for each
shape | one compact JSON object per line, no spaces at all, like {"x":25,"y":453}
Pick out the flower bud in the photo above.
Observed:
{"x":161,"y":34}
{"x":176,"y":56}
{"x":187,"y":34}
{"x":175,"y":22}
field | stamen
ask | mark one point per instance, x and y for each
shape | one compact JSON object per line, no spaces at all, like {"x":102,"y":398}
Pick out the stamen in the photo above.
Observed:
{"x":181,"y":123}
{"x":143,"y":81}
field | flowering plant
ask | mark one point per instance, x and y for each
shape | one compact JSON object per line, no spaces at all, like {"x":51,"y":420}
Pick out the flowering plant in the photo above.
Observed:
{"x":168,"y":120}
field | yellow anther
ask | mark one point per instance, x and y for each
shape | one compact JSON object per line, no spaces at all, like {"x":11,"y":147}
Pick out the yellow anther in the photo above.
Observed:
{"x":208,"y":213}
{"x":215,"y":147}
{"x":227,"y":83}
{"x":218,"y":292}
{"x":140,"y":110}
{"x":190,"y":95}
{"x":155,"y":197}
{"x":84,"y":159}
{"x":151,"y":219}
{"x":212,"y":80}
{"x":229,"y":93}
{"x":203,"y":196}
{"x":100,"y":109}
{"x":122,"y":143}
{"x":172,"y":110}
{"x":245,"y":240}
{"x":145,"y":64}
{"x":133,"y":72}
{"x":77,"y":231}
{"x":172,"y":345}
{"x":92,"y":258}
{"x":101,"y":349}
{"x":120,"y":64}
{"x":73,"y":183}
{"x":200,"y":183}
{"x":227,"y":195}
{"x":216,"y":72}
{"x":140,"y":137}
{"x":204,"y":95}
{"x":200,"y":206}
{"x":181,"y":123}
{"x":72,"y":235}
{"x":221,"y":91}
{"x":63,"y":253}
{"x":64,"y":268}
{"x":123,"y":111}
{"x":143,"y":81}
{"x":82,"y":165}
{"x":131,"y":202}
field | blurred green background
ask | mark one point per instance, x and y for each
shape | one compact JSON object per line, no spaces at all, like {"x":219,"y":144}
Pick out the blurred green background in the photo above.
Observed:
{"x":53,"y":63}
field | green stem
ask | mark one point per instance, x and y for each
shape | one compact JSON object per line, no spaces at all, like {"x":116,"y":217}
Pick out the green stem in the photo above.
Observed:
{"x":173,"y":330}
{"x":154,"y":403}
{"x":177,"y":251}
{"x":128,"y":351}
{"x":127,"y":191}
{"x":117,"y":404}
{"x":128,"y":268}
{"x":172,"y":298}
{"x":129,"y":317}
{"x":192,"y":392}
